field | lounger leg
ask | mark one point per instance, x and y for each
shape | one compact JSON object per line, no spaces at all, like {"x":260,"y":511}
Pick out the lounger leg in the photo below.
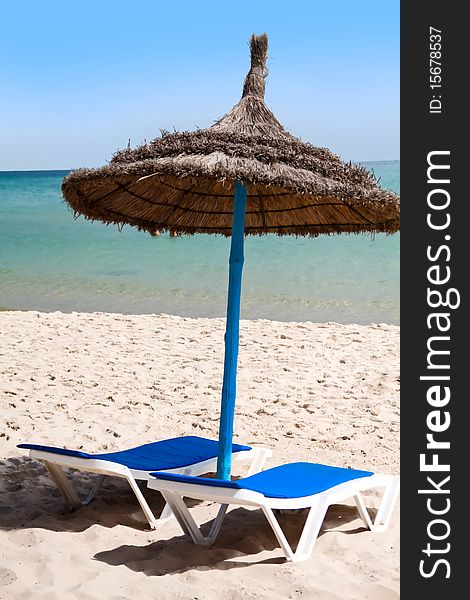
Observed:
{"x":259,"y":460}
{"x":60,"y":479}
{"x":189,"y":525}
{"x":62,"y":482}
{"x":310,"y":532}
{"x":65,"y":486}
{"x":363,"y":512}
{"x":281,"y":538}
{"x":185,"y":520}
{"x":387,"y":504}
{"x":166,"y":514}
{"x":94,"y":490}
{"x":217,"y":524}
{"x":143,"y":502}
{"x":308,"y":536}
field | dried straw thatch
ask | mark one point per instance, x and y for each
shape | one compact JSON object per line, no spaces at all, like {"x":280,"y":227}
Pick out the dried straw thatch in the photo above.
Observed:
{"x":184,"y":182}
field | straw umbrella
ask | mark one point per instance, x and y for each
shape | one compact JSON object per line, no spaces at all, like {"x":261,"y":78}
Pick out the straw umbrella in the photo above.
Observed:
{"x":244,"y":175}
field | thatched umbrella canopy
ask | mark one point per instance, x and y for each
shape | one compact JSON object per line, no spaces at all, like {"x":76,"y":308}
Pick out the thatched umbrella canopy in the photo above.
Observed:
{"x":184,"y":182}
{"x":244,"y":175}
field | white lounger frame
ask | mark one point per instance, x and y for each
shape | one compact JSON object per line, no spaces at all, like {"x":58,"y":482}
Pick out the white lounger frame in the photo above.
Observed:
{"x":54,"y":463}
{"x":173,"y":492}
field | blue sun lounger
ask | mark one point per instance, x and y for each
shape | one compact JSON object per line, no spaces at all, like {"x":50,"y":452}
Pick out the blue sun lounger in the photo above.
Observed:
{"x":189,"y":455}
{"x":291,"y":486}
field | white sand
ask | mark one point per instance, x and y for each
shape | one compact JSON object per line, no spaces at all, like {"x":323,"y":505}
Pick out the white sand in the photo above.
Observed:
{"x":326,"y":393}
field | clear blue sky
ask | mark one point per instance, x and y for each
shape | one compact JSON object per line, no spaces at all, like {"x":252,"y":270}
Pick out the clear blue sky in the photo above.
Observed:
{"x":79,"y":78}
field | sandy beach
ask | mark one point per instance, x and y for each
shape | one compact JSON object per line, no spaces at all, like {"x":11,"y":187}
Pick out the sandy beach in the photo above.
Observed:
{"x":320,"y":392}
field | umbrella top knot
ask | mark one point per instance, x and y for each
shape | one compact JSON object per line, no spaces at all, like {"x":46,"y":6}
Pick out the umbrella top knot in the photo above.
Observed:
{"x":255,"y":84}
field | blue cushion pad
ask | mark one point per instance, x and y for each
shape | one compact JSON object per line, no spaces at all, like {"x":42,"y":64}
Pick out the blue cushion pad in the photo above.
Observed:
{"x":294,"y":480}
{"x":165,"y":454}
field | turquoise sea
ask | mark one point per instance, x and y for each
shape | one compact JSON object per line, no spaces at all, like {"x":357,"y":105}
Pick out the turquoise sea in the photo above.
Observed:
{"x":49,"y":262}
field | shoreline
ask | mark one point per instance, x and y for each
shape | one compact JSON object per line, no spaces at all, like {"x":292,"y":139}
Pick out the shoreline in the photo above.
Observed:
{"x":175,"y":316}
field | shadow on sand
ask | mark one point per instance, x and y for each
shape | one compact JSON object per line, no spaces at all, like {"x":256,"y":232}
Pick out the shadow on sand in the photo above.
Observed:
{"x":244,"y":535}
{"x":29,"y":499}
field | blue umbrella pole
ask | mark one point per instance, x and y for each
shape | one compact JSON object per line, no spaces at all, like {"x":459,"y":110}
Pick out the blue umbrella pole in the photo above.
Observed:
{"x":229,"y":387}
